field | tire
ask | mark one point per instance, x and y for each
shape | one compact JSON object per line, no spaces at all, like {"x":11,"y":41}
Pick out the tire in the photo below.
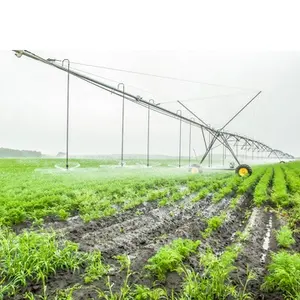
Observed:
{"x":195,"y":169}
{"x":243,"y":170}
{"x":282,"y":162}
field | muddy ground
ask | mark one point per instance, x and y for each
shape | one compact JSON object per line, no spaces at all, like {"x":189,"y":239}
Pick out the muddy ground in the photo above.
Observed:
{"x":141,"y":234}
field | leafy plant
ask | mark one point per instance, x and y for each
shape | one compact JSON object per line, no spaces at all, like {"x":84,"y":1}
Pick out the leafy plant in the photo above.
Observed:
{"x":279,"y":190}
{"x":144,"y":293}
{"x":169,"y":257}
{"x":213,"y":224}
{"x":284,"y":237}
{"x":248,"y":183}
{"x":125,"y":290}
{"x":95,"y":269}
{"x":284,"y":274}
{"x":230,"y":186}
{"x":214,"y":282}
{"x":243,"y":294}
{"x":67,"y":294}
{"x":34,"y":256}
{"x":261,"y":190}
{"x":292,"y":179}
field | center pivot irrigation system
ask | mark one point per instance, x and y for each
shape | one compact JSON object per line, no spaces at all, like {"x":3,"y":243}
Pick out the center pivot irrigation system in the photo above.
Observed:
{"x":230,"y":141}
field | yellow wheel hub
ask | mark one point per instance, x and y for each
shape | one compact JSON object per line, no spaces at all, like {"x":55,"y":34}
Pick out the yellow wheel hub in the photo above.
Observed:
{"x":195,"y":170}
{"x":243,"y":172}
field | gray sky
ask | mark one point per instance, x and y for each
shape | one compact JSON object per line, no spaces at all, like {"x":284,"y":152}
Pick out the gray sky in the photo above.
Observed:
{"x":33,"y":100}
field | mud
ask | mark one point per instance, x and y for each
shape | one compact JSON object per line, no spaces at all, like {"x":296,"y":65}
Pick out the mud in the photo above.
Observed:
{"x":256,"y":253}
{"x":141,"y":235}
{"x":145,"y":235}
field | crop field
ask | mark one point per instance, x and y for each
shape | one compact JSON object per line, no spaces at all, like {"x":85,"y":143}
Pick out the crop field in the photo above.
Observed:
{"x":148,"y":233}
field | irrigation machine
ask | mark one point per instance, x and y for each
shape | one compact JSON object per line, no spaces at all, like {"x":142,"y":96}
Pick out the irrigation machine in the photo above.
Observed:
{"x":212,"y":137}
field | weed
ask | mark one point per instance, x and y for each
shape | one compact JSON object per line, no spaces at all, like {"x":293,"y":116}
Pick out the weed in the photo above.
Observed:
{"x":234,"y":202}
{"x":251,"y":276}
{"x":139,"y":213}
{"x":144,"y":293}
{"x":34,"y":256}
{"x":67,"y":294}
{"x":242,"y":236}
{"x":125,"y":289}
{"x":95,"y":269}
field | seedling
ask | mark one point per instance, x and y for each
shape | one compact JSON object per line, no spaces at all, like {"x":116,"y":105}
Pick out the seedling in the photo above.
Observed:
{"x":213,"y":224}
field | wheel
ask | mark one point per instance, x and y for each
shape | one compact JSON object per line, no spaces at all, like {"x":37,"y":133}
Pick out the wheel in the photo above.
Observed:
{"x":195,"y":169}
{"x":243,"y":170}
{"x":282,"y":162}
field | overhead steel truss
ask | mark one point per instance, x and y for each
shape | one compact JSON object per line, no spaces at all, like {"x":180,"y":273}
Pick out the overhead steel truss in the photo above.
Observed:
{"x":229,"y":140}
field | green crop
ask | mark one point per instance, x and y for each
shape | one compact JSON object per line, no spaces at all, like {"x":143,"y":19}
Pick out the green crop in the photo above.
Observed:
{"x":211,"y":186}
{"x":213,"y":224}
{"x":279,"y":190}
{"x":292,"y":179}
{"x":231,"y":185}
{"x":261,"y":190}
{"x":214,"y":282}
{"x":284,"y":274}
{"x":170,"y":257}
{"x":95,"y":269}
{"x":284,"y":237}
{"x":26,"y":195}
{"x":145,"y":293}
{"x":33,"y":256}
{"x":250,"y":182}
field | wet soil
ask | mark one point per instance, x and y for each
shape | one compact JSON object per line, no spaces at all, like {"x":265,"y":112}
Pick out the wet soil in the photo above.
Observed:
{"x":141,"y":234}
{"x":256,"y":253}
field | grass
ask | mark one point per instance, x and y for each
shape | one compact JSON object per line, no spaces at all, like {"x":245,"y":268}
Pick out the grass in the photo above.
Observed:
{"x":33,"y":256}
{"x":95,"y":268}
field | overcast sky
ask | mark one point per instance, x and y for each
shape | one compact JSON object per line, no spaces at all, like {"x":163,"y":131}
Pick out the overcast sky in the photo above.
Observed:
{"x":168,"y":38}
{"x":33,"y":99}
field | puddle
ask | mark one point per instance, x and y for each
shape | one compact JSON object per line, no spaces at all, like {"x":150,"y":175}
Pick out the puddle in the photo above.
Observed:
{"x":266,"y":243}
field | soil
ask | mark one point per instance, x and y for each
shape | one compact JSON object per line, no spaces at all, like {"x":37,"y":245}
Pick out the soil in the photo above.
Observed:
{"x":256,"y":254}
{"x":141,"y":234}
